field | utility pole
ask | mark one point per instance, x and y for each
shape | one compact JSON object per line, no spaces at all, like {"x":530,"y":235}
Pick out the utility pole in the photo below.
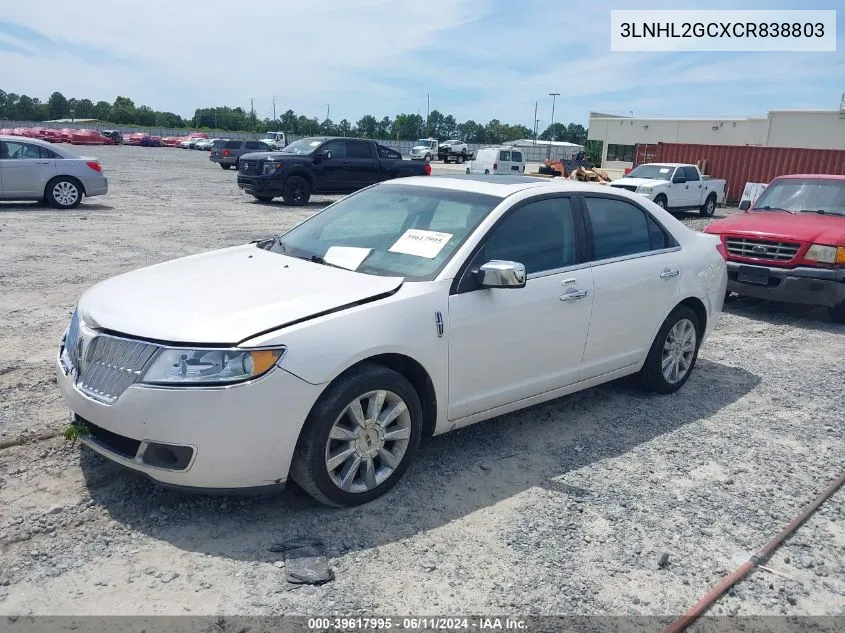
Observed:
{"x":535,"y":123}
{"x":328,"y":111}
{"x":427,"y":112}
{"x":274,"y":108}
{"x":252,"y":111}
{"x":553,"y":95}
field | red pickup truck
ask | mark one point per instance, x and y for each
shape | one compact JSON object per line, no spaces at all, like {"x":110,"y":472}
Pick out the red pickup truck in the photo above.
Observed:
{"x":790,"y":244}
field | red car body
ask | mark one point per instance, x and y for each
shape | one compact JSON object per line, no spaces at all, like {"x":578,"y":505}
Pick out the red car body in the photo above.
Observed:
{"x":789,"y":245}
{"x":89,"y":137}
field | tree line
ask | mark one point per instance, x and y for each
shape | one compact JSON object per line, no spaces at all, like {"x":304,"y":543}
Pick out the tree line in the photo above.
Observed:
{"x":123,"y":111}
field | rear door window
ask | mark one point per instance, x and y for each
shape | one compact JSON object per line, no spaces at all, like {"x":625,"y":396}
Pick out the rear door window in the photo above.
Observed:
{"x":504,"y":156}
{"x":359,"y":149}
{"x":233,"y":144}
{"x":516,"y":157}
{"x":619,"y":228}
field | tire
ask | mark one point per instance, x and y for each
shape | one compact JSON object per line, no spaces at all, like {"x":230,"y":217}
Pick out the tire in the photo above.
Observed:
{"x":237,"y":165}
{"x":486,"y":172}
{"x":461,"y":158}
{"x":263,"y":198}
{"x":225,"y":166}
{"x":330,"y":432}
{"x":427,"y":157}
{"x":297,"y":191}
{"x":661,"y":201}
{"x":652,"y":375}
{"x":837,"y":312}
{"x":709,"y":207}
{"x":63,"y":193}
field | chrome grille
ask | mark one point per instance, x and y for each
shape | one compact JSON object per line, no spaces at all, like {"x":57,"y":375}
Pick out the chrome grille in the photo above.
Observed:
{"x":111,"y":365}
{"x":761,"y":249}
{"x":628,"y":187}
{"x":249,"y":166}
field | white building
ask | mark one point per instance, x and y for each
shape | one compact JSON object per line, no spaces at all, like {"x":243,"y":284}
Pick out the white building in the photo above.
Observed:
{"x":816,"y":129}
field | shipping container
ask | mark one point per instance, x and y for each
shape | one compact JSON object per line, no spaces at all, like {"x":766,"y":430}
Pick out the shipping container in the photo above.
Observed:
{"x":739,"y":164}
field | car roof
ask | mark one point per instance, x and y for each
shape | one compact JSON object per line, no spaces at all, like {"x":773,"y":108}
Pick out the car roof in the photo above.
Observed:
{"x":25,"y":139}
{"x":500,"y":186}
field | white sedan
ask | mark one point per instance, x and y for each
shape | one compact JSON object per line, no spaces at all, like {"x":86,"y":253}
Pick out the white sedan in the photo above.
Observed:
{"x":410,"y":308}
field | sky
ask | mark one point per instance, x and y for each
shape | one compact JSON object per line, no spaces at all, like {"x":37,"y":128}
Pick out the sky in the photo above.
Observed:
{"x":474,"y":59}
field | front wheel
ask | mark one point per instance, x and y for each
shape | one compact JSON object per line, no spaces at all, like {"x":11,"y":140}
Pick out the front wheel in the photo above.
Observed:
{"x":673,"y":353}
{"x":63,"y":193}
{"x":709,"y":207}
{"x":297,"y":191}
{"x":359,"y":438}
{"x":661,"y":202}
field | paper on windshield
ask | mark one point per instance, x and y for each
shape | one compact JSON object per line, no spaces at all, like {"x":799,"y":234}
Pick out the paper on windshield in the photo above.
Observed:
{"x":665,"y":170}
{"x":421,"y":243}
{"x":346,"y":256}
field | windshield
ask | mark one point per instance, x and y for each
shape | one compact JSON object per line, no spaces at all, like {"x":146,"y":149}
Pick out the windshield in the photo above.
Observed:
{"x":804,"y":194}
{"x":390,"y":230}
{"x":302,"y":146}
{"x":652,"y":172}
{"x":424,"y":142}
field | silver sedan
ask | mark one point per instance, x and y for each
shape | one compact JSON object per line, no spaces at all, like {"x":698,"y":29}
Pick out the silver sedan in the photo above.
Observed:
{"x":31,"y":169}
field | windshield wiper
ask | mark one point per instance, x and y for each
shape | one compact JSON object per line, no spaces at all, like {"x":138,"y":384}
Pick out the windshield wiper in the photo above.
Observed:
{"x":768,"y":208}
{"x":820,"y":212}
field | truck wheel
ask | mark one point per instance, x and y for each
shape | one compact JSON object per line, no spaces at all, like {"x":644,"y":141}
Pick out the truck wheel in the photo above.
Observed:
{"x":660,"y":201}
{"x":460,"y":158}
{"x":427,"y":157}
{"x":709,"y":207}
{"x":222,"y":166}
{"x":837,"y":312}
{"x":297,"y":191}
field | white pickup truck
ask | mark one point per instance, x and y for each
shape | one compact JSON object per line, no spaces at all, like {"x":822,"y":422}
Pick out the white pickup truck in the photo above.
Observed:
{"x":675,"y":187}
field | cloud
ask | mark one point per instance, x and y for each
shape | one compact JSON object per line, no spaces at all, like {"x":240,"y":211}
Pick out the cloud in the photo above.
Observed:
{"x":476,"y":59}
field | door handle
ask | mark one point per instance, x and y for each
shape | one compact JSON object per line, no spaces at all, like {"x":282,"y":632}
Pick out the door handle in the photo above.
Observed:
{"x":669,"y":273}
{"x":42,"y":162}
{"x":574,"y":295}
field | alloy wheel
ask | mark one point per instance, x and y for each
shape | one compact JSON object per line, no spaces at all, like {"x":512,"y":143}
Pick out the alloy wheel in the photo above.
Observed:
{"x":65,"y":193}
{"x":678,"y":351}
{"x":368,"y":441}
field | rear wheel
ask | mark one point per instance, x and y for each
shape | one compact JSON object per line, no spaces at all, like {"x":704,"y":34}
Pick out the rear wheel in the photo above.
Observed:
{"x":225,"y":166}
{"x":297,"y":191}
{"x":709,"y":207}
{"x":673,"y":353}
{"x":359,"y":438}
{"x":63,"y":193}
{"x":461,"y":158}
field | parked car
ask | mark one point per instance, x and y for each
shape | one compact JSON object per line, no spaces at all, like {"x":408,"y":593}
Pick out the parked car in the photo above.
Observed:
{"x":204,"y":144}
{"x":320,"y":165}
{"x":31,"y":169}
{"x":114,"y":135}
{"x":425,"y":149}
{"x":790,"y":244}
{"x":413,"y":307}
{"x":676,"y":187}
{"x":150,"y":141}
{"x":503,"y":160}
{"x":89,"y":137}
{"x":228,"y":155}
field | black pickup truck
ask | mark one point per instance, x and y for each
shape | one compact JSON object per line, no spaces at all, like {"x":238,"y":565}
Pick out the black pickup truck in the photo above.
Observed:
{"x":322,"y":165}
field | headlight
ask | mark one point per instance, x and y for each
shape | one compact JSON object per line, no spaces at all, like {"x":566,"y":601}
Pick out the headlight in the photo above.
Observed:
{"x":826,"y":254}
{"x":644,"y":189}
{"x":270,"y":167}
{"x":209,"y":366}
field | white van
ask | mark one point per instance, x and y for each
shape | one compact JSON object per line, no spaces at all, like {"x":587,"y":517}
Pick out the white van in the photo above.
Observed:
{"x":497,"y":161}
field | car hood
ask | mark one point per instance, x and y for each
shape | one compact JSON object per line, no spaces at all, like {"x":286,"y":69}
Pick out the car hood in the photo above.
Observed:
{"x":806,"y":227}
{"x":639,"y":182}
{"x":419,"y":148}
{"x":224,"y":296}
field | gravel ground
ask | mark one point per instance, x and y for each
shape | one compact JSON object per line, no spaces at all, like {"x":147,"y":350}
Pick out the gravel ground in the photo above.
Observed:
{"x":609,"y":501}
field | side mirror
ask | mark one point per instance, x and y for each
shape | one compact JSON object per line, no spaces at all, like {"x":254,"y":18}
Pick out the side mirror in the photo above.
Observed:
{"x":501,"y":274}
{"x":326,"y":154}
{"x":679,"y":180}
{"x":745,"y":205}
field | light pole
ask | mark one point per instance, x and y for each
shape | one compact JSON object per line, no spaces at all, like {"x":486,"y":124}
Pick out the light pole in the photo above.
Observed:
{"x":553,"y":95}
